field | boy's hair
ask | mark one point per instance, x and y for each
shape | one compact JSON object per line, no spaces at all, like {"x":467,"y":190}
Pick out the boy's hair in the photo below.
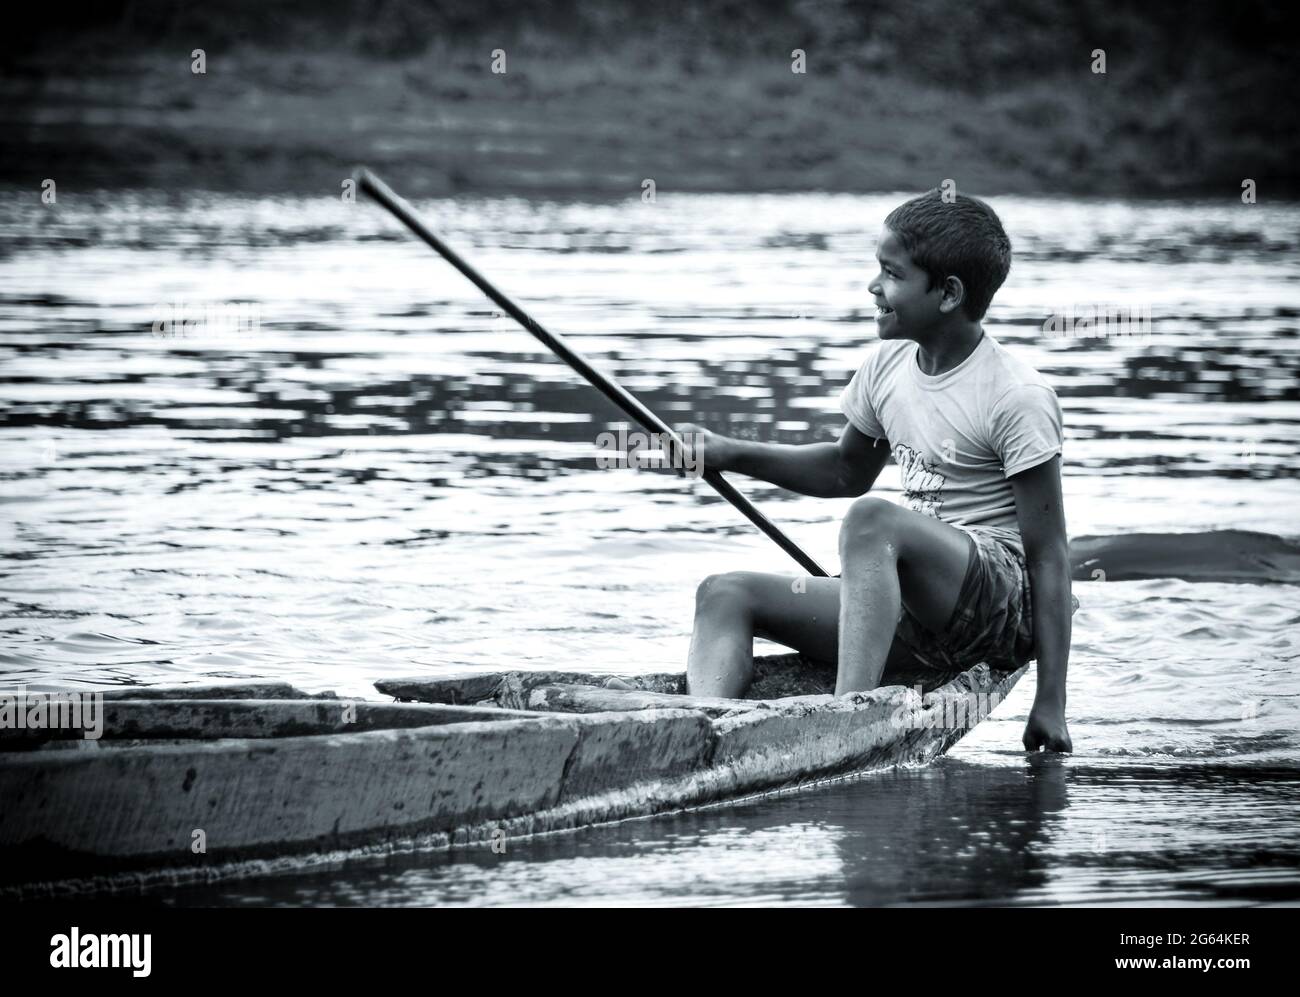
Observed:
{"x":958,"y":238}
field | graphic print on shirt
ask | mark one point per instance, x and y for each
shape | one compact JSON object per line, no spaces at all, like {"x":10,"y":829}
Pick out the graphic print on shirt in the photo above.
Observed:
{"x":922,"y":481}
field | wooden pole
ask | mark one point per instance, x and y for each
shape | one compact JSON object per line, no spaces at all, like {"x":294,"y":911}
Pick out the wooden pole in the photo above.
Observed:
{"x":615,"y":392}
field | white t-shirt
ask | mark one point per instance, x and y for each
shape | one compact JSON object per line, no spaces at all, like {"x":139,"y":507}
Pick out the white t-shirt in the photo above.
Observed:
{"x":957,"y":436}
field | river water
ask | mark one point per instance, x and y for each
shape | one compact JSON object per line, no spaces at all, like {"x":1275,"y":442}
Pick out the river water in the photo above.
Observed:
{"x":374,"y":474}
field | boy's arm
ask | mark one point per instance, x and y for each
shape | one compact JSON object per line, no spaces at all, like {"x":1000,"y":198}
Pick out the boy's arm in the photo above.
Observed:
{"x":826,"y":470}
{"x":1041,"y":513}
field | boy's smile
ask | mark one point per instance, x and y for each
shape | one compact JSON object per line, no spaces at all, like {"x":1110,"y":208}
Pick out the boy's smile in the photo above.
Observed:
{"x":905,"y":303}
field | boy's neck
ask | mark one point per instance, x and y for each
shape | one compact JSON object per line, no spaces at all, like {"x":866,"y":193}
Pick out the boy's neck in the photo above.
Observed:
{"x":946,"y":348}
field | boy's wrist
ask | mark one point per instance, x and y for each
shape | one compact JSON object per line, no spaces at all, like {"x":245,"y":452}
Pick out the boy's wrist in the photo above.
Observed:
{"x":719,"y":453}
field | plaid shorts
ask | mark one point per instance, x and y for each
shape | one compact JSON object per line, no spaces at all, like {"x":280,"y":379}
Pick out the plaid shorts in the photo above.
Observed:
{"x":992,"y":622}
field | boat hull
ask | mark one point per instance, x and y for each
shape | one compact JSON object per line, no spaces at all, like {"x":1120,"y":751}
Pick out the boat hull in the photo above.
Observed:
{"x":174,"y":800}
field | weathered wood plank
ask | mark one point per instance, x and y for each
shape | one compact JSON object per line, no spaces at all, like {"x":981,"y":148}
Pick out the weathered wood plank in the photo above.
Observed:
{"x":586,"y":699}
{"x":253,"y":718}
{"x":510,"y":689}
{"x":617,"y":750}
{"x":457,"y":688}
{"x":68,"y":811}
{"x":250,"y":794}
{"x":215,"y":690}
{"x":770,"y":747}
{"x":812,"y":737}
{"x":776,"y":676}
{"x":891,"y":725}
{"x":269,"y":689}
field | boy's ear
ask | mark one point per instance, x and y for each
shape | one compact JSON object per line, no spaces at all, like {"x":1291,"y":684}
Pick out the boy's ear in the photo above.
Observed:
{"x":953,"y":294}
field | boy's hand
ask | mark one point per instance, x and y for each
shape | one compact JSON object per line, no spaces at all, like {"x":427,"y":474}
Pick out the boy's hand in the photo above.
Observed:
{"x":1046,"y":729}
{"x":704,"y":448}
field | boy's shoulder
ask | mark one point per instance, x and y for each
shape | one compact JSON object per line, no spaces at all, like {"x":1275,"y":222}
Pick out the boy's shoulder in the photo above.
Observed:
{"x":1010,"y":373}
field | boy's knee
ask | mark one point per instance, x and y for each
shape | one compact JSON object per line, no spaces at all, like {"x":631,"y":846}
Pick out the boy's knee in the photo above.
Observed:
{"x":869,"y":520}
{"x":729,"y":589}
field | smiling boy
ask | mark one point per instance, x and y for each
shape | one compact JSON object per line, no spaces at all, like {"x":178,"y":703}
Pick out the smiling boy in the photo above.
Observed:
{"x":975,"y":568}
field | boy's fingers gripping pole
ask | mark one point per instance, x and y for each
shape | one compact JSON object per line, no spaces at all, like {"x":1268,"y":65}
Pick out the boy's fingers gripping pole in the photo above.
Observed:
{"x":632,"y":407}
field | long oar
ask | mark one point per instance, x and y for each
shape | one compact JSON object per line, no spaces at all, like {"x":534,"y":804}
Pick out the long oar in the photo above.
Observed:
{"x":382,"y":193}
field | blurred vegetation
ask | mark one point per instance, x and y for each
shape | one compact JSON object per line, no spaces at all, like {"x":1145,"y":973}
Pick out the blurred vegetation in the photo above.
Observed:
{"x":1197,"y":95}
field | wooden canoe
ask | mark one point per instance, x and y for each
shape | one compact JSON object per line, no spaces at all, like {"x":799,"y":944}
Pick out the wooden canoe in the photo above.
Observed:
{"x":220,"y":782}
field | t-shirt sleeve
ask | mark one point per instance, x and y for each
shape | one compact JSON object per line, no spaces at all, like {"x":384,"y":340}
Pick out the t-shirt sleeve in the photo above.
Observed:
{"x":1027,"y":427}
{"x":855,"y":399}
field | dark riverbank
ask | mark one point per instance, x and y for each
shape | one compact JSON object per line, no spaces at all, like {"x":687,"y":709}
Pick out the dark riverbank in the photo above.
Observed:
{"x":593,"y":102}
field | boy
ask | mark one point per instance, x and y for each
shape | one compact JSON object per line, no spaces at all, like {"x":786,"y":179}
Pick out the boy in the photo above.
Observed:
{"x":975,"y":568}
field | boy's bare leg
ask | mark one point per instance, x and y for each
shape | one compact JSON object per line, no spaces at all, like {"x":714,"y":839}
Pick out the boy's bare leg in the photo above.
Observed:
{"x":731,"y":609}
{"x":891,"y":556}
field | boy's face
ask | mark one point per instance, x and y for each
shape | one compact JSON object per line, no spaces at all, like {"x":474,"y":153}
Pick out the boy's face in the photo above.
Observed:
{"x":906,"y":306}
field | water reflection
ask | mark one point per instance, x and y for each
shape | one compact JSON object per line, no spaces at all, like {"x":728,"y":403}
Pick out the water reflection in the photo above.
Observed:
{"x":956,"y":833}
